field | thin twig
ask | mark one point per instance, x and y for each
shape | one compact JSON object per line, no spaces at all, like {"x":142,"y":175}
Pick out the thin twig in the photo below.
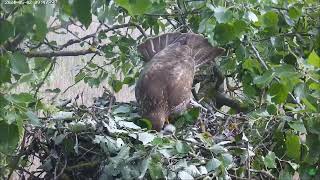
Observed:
{"x":259,"y":57}
{"x":263,"y":172}
{"x":248,"y":162}
{"x":44,"y":78}
{"x":266,"y":68}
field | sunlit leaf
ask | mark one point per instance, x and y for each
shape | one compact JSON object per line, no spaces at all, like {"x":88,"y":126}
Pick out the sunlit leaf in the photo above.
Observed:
{"x":184,"y":175}
{"x":293,"y":146}
{"x":269,"y":160}
{"x":213,"y":164}
{"x":251,"y":16}
{"x":314,"y":59}
{"x":135,"y":7}
{"x":265,"y":79}
{"x":222,"y":14}
{"x":182,"y":147}
{"x":298,"y":126}
{"x":279,"y":93}
{"x":270,"y":19}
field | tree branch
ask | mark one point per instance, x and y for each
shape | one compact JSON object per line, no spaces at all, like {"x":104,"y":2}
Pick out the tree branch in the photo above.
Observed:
{"x":125,"y":25}
{"x":59,"y":53}
{"x":74,"y":41}
{"x":259,"y":57}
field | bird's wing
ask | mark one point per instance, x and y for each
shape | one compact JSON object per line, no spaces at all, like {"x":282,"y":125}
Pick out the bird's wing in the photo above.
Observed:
{"x":180,"y":84}
{"x":201,"y":50}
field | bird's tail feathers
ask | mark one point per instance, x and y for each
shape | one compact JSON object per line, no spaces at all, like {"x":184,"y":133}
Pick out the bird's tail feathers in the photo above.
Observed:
{"x":201,"y":50}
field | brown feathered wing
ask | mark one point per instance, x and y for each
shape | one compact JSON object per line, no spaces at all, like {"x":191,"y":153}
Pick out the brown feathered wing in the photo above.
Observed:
{"x":164,"y":85}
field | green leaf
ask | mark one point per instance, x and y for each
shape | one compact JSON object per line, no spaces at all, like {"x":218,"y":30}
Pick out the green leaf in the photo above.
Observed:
{"x":270,"y":19}
{"x":116,"y":85}
{"x":19,"y":63}
{"x":264,"y":80}
{"x":272,"y":109}
{"x":41,"y":29}
{"x":6,"y":30}
{"x":122,"y":110}
{"x":24,"y":24}
{"x":285,"y":175}
{"x":228,"y":65}
{"x":187,"y":118}
{"x":222,"y":14}
{"x":182,"y":147}
{"x":155,"y":170}
{"x":143,"y":123}
{"x":9,"y":137}
{"x":290,"y":59}
{"x":83,"y":11}
{"x":314,"y":86}
{"x":20,"y":98}
{"x":309,"y":105}
{"x":312,"y":141}
{"x":145,"y":137}
{"x":293,"y":146}
{"x":184,"y":175}
{"x":298,"y":126}
{"x":213,"y":164}
{"x":240,"y":29}
{"x":5,"y":74}
{"x":223,"y":33}
{"x":80,"y":76}
{"x":294,"y":12}
{"x":252,"y":65}
{"x":279,"y":93}
{"x":313,"y":125}
{"x":143,"y":166}
{"x":65,"y":6}
{"x":251,"y":16}
{"x":270,"y":160}
{"x":314,"y":59}
{"x":41,"y":64}
{"x":248,"y":87}
{"x":300,"y":91}
{"x":34,"y":120}
{"x":129,"y":80}
{"x":226,"y":159}
{"x":135,"y":7}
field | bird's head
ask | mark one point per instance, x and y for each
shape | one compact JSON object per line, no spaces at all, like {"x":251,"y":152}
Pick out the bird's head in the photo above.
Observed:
{"x":157,"y":120}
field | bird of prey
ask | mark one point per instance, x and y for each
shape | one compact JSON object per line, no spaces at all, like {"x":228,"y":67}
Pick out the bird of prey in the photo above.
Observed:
{"x":164,"y":86}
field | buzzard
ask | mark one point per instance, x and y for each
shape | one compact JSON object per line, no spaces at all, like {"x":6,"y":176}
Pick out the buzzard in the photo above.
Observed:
{"x":164,"y":86}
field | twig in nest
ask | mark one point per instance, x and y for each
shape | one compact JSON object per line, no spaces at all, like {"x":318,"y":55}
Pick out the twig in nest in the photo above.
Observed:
{"x":62,"y":170}
{"x":263,"y":172}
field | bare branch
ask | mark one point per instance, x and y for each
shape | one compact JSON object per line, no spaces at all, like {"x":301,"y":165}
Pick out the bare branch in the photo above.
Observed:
{"x":74,"y":41}
{"x":59,"y":53}
{"x":259,"y":57}
{"x":125,"y":25}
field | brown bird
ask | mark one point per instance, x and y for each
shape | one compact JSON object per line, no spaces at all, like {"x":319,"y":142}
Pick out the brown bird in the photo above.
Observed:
{"x":164,"y":86}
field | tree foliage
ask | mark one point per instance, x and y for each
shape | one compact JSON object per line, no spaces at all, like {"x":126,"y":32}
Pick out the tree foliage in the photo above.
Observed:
{"x":272,"y":59}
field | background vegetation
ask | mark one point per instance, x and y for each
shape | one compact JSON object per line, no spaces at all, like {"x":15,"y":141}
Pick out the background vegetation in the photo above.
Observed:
{"x":271,"y":65}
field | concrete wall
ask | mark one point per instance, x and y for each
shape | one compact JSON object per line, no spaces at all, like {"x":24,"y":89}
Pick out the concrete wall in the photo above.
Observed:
{"x":67,"y":67}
